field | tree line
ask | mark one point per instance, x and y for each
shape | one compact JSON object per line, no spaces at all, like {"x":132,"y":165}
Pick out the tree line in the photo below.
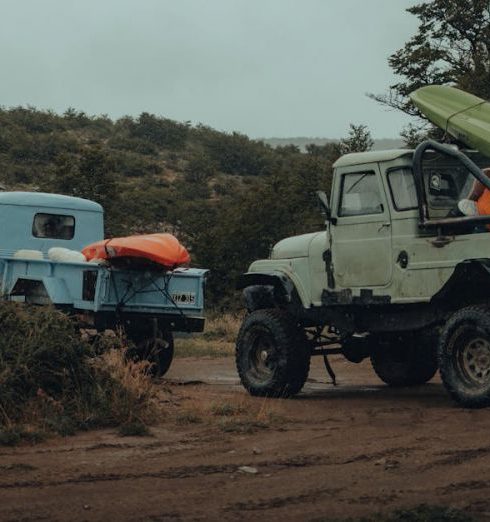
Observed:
{"x":227,"y":197}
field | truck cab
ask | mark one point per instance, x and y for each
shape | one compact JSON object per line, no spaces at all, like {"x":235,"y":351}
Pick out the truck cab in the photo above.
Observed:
{"x":39,"y":221}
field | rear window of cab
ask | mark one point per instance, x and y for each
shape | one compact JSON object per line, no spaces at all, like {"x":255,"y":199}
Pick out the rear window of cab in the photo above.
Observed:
{"x":53,"y":226}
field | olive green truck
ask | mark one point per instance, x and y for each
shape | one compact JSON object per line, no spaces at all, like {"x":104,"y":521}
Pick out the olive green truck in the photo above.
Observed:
{"x":395,"y":276}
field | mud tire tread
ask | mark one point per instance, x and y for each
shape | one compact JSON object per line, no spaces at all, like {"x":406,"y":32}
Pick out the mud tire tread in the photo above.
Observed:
{"x":290,"y":342}
{"x":478,"y":318}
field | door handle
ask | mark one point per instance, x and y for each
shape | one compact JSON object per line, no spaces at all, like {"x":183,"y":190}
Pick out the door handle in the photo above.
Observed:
{"x":441,"y":241}
{"x":384,"y":225}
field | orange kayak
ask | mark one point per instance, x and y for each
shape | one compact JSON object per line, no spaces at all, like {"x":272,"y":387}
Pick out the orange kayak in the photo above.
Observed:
{"x":163,"y":249}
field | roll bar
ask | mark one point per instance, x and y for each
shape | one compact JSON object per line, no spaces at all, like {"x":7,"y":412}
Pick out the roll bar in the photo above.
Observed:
{"x":475,"y":171}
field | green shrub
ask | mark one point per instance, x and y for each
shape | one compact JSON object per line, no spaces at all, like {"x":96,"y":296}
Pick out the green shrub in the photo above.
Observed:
{"x":54,"y":381}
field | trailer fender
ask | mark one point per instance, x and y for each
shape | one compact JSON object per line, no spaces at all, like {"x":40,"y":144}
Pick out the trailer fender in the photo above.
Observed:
{"x":45,"y":290}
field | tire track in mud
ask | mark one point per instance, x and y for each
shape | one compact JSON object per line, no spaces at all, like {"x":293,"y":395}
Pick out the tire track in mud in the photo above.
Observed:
{"x":101,"y":445}
{"x":174,"y":473}
{"x":390,"y":452}
{"x":456,"y":457}
{"x":299,"y":461}
{"x":279,"y":502}
{"x":468,"y":485}
{"x":378,"y":500}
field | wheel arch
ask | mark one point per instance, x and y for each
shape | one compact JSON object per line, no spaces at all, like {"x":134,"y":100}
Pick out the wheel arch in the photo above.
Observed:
{"x":35,"y":291}
{"x":469,"y":283}
{"x":269,"y":290}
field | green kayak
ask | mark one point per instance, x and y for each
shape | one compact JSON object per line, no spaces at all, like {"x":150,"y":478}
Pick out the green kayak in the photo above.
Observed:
{"x":462,"y":115}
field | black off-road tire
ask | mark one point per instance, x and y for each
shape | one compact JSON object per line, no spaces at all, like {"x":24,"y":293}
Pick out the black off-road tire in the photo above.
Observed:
{"x":405,"y":360}
{"x":272,"y":355}
{"x":159,"y":352}
{"x":464,"y":356}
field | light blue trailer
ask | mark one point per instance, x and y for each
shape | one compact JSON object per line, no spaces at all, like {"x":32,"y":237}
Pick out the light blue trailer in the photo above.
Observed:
{"x":149,"y":303}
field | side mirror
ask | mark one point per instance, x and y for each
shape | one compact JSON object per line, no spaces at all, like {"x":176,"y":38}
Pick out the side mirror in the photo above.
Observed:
{"x":324,"y":203}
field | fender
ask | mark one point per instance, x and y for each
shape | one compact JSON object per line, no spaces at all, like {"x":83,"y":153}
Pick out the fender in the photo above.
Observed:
{"x":469,"y":283}
{"x":267,"y":290}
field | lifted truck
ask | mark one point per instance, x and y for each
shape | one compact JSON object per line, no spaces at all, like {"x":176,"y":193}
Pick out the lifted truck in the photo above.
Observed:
{"x":148,"y":302}
{"x":393,"y":277}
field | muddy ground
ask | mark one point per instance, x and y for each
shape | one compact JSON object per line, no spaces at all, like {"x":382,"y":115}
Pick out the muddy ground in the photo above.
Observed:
{"x":350,"y":450}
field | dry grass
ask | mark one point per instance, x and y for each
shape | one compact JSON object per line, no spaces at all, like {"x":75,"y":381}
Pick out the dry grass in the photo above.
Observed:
{"x":217,"y":340}
{"x":133,"y":395}
{"x":233,"y":415}
{"x":223,"y":327}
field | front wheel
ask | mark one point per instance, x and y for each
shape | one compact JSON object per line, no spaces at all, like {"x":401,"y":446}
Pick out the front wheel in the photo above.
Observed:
{"x":272,"y":355}
{"x":464,"y":356}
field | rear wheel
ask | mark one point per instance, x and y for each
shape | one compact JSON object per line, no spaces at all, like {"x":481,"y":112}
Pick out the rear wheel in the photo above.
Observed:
{"x":272,"y":355}
{"x":405,"y":360}
{"x":464,"y":356}
{"x":158,"y":349}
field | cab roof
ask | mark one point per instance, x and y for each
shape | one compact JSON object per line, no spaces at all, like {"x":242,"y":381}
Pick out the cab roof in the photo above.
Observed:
{"x":41,"y":199}
{"x":375,"y":156}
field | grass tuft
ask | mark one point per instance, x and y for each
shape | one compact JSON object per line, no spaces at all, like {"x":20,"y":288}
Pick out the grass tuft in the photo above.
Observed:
{"x":134,"y":429}
{"x":227,"y":409}
{"x":13,"y":436}
{"x":187,"y":417}
{"x":234,"y":415}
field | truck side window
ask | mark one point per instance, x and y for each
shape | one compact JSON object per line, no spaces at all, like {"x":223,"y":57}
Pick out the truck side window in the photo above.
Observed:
{"x":53,"y":226}
{"x":402,"y":188}
{"x":360,"y":195}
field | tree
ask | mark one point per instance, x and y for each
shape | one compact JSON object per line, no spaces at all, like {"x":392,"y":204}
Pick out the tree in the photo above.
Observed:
{"x":162,"y":132}
{"x":358,"y":140}
{"x":91,"y":176}
{"x":235,"y":153}
{"x":451,"y":46}
{"x":329,"y":151}
{"x":200,"y":168}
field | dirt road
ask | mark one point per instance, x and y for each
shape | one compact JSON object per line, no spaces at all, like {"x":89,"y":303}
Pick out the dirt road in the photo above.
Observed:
{"x":349,"y":450}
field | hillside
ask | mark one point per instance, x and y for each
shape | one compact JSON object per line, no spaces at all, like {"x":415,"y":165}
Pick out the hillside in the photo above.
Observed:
{"x":227,"y":197}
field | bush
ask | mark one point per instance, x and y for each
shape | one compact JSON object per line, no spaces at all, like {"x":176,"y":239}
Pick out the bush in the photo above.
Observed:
{"x":200,"y":168}
{"x":162,"y":132}
{"x":51,"y":379}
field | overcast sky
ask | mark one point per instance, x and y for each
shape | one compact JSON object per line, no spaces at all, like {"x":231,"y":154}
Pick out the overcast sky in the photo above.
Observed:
{"x":263,"y":67}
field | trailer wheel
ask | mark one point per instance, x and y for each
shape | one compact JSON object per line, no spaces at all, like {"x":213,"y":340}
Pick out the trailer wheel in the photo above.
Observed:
{"x":405,"y":360}
{"x":158,"y":350}
{"x":464,"y":356}
{"x":272,"y":356}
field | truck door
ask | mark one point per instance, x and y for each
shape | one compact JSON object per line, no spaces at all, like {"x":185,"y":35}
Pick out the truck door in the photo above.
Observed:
{"x":361,"y":235}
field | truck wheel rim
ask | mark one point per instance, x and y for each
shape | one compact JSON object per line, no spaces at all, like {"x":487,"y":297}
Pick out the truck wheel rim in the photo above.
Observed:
{"x":474,"y":360}
{"x":262,"y":357}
